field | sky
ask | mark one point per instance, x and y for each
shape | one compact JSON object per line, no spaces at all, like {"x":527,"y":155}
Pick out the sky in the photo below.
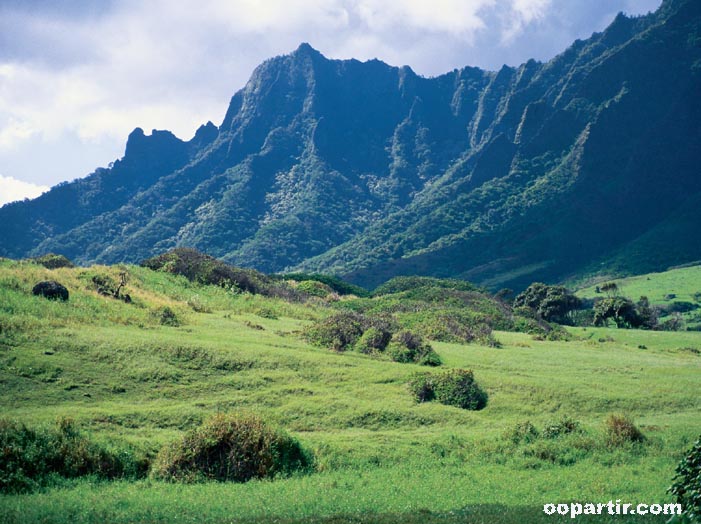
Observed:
{"x":77,"y":76}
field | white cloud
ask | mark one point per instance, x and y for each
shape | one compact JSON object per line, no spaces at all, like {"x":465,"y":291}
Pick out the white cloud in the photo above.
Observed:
{"x":456,"y":17}
{"x":521,"y":14}
{"x":12,"y":190}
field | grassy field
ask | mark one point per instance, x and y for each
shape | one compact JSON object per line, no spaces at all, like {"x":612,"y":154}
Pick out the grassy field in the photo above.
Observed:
{"x":673,"y":290}
{"x":126,"y":378}
{"x":684,"y":283}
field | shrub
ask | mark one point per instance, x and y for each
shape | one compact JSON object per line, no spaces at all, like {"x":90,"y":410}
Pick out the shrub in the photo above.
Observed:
{"x":408,"y":347}
{"x":234,"y":448}
{"x":421,"y":387}
{"x":620,"y":429}
{"x":522,"y":432}
{"x":338,"y":332}
{"x":454,"y":326}
{"x":563,"y":426}
{"x":373,"y":340}
{"x":51,"y":289}
{"x":675,"y":322}
{"x":456,"y":387}
{"x":410,"y":283}
{"x":431,"y":358}
{"x":198,"y":305}
{"x":336,"y":284}
{"x":198,"y":267}
{"x":52,"y":261}
{"x":687,"y":483}
{"x":35,"y":457}
{"x":168,"y":317}
{"x":265,"y":312}
{"x":314,"y":288}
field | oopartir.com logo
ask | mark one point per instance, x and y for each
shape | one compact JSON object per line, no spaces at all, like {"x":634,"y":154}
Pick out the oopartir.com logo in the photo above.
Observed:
{"x":574,"y":509}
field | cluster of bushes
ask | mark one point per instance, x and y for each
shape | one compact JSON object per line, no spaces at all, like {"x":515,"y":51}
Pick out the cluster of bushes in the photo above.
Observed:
{"x":444,"y":310}
{"x":230,"y":447}
{"x":52,"y":261}
{"x":556,"y":304}
{"x":417,"y":284}
{"x":459,"y":325}
{"x":349,"y":330}
{"x":564,"y":441}
{"x":456,"y":387}
{"x":335,"y":284}
{"x":198,"y":267}
{"x":234,"y":448}
{"x":204,"y":269}
{"x":32,"y":458}
{"x":619,"y":430}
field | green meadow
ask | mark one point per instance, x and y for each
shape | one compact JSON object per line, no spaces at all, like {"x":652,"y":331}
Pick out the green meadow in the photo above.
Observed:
{"x":129,"y":380}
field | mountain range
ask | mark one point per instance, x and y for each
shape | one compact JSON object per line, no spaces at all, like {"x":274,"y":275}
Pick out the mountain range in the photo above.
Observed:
{"x":587,"y":163}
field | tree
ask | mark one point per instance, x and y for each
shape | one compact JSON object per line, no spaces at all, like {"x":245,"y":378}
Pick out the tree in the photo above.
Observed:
{"x":620,"y":309}
{"x":648,"y":315}
{"x":551,"y":303}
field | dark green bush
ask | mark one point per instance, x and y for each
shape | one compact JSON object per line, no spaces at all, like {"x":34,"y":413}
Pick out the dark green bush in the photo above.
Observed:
{"x":620,"y":429}
{"x":52,"y":261}
{"x":167,"y":317}
{"x":374,"y":340}
{"x":562,"y":426}
{"x":408,"y":347}
{"x":522,"y":432}
{"x":456,"y":387}
{"x":32,"y":458}
{"x":234,"y":448}
{"x":421,"y":387}
{"x":198,"y":267}
{"x":104,"y":285}
{"x":338,"y":332}
{"x":687,"y":483}
{"x":51,"y":289}
{"x":551,"y":303}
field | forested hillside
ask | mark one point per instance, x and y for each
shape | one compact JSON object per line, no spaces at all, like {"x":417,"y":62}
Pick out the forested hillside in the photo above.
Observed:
{"x":536,"y":172}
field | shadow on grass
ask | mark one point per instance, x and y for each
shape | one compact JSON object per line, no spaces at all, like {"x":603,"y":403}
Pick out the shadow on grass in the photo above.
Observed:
{"x":481,"y":514}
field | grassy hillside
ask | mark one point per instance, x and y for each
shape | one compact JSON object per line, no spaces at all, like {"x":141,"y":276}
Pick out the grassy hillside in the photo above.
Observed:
{"x":129,"y":379}
{"x":675,"y":290}
{"x":683,"y":283}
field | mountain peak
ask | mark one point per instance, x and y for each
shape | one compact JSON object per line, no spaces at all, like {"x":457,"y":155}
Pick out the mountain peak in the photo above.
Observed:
{"x":305,"y":49}
{"x":206,"y":132}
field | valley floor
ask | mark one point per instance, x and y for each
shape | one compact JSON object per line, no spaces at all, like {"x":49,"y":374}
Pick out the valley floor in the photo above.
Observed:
{"x":380,"y":456}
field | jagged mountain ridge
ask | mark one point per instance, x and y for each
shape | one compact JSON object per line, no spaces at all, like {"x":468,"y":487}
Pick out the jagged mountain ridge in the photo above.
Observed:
{"x":367,"y":170}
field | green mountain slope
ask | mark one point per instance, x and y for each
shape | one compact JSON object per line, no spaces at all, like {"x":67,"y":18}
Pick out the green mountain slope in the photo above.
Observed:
{"x":361,"y":169}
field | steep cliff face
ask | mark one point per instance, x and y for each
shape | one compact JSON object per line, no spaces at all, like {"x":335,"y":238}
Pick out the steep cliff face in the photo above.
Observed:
{"x":367,"y":170}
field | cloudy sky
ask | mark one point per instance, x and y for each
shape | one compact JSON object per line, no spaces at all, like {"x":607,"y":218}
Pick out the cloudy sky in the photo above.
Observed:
{"x":76,"y":76}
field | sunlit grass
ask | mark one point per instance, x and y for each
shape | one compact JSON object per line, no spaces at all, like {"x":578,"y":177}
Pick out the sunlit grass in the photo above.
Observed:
{"x":125,"y":377}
